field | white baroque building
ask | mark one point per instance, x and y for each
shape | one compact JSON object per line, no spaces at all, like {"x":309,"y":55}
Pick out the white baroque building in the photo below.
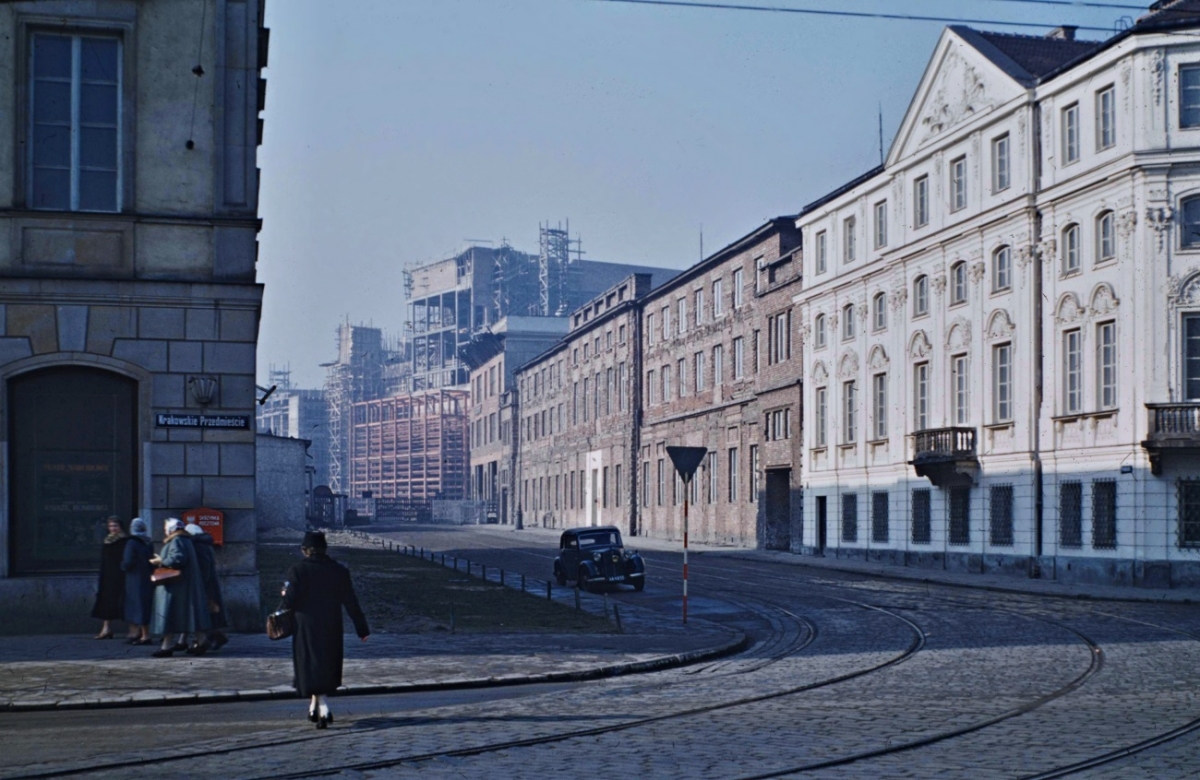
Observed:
{"x":1002,"y":322}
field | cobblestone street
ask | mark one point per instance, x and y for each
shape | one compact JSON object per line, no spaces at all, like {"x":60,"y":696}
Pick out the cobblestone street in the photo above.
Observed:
{"x":849,"y":676}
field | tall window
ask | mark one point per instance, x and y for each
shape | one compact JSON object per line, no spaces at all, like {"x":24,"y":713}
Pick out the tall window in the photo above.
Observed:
{"x":739,"y":357}
{"x":1000,"y":164}
{"x":698,"y":370}
{"x":921,"y":201}
{"x":921,"y":296}
{"x":958,"y":184}
{"x":922,"y":516}
{"x":1106,"y":364}
{"x":681,"y":314}
{"x":1104,"y":514}
{"x":961,"y":388}
{"x":849,"y":226}
{"x":960,"y":515}
{"x":921,"y":396}
{"x":1070,"y":241}
{"x":1070,"y":514}
{"x":1189,"y":229}
{"x":662,"y":482}
{"x":651,"y":386}
{"x":718,"y":365}
{"x":848,"y":322}
{"x":849,"y":412}
{"x":1002,"y":269}
{"x":75,"y":105}
{"x":1001,"y":515}
{"x":879,"y":311}
{"x":733,"y":474}
{"x":1070,"y":132}
{"x":820,"y":252}
{"x":698,"y":301}
{"x":737,"y":288}
{"x":1188,"y":498}
{"x":681,"y":375}
{"x":1002,"y":383}
{"x":958,"y":283}
{"x":819,"y":331}
{"x":1189,"y":96}
{"x":666,"y":384}
{"x":879,"y":516}
{"x":753,"y":474}
{"x":710,"y":470}
{"x":879,"y":391}
{"x":718,"y":296}
{"x":1106,"y":239}
{"x":849,"y":517}
{"x":1072,"y":372}
{"x":645,"y":483}
{"x":1106,"y":118}
{"x":608,"y":390}
{"x":623,"y":382}
{"x":666,"y":323}
{"x":821,"y":413}
{"x":649,"y":329}
{"x":779,"y":338}
{"x":881,"y":224}
{"x":617,"y":487}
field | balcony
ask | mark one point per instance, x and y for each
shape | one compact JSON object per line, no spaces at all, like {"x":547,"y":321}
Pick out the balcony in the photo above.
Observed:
{"x":1173,"y":428}
{"x":946,"y":456}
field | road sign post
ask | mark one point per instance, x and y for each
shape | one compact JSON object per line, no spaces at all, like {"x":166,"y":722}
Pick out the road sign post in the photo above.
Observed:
{"x":686,"y":461}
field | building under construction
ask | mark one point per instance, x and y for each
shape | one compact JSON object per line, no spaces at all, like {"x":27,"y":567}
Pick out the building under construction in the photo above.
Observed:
{"x":295,"y":413}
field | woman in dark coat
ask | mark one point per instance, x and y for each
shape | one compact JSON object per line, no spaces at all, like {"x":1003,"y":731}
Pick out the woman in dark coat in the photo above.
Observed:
{"x":207,"y":557}
{"x":139,"y":590}
{"x":180,"y":604}
{"x":110,"y":595}
{"x":316,"y":590}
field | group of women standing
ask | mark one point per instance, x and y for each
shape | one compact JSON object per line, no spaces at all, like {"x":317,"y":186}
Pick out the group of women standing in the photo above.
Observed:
{"x":188,"y":601}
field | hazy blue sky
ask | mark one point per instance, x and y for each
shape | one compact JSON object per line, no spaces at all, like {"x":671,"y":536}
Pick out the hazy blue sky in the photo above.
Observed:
{"x":396,"y":129}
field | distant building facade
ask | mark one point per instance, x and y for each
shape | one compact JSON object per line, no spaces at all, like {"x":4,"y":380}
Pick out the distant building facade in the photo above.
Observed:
{"x":128,"y":298}
{"x":1001,"y":322}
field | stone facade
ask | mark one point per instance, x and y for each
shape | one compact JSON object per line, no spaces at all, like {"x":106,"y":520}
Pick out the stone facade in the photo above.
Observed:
{"x":127,"y":254}
{"x":282,"y":482}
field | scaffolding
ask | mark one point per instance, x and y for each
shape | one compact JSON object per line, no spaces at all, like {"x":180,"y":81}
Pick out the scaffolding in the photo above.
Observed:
{"x":356,"y":375}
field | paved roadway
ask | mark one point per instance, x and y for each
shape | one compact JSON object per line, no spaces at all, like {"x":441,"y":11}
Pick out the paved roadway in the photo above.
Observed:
{"x":849,"y":677}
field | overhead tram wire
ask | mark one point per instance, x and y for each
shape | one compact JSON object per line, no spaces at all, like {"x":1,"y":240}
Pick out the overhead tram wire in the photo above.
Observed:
{"x":699,"y":4}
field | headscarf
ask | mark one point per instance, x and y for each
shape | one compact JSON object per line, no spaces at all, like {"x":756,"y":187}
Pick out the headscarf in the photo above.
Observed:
{"x":119,"y":535}
{"x":193,"y":529}
{"x":139,"y":528}
{"x":173,"y":524}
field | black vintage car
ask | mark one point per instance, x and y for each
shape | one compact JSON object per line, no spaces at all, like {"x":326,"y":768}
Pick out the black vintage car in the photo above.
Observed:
{"x":592,"y":556}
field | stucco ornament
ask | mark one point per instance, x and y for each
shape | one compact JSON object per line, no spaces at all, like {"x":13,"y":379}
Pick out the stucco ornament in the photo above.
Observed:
{"x":939,"y":284}
{"x":833,"y":321}
{"x":899,"y":297}
{"x":1159,"y":219}
{"x":878,"y":359}
{"x":978,"y":271}
{"x":1188,"y":290}
{"x":819,"y":372}
{"x":1104,"y":300}
{"x":1047,"y":249}
{"x":1068,"y":310}
{"x":1000,"y":325}
{"x":1159,"y":67}
{"x":960,"y":94}
{"x":1025,"y":255}
{"x":919,"y":345}
{"x":1126,"y":223}
{"x":848,"y":366}
{"x":958,"y":335}
{"x":863,"y":312}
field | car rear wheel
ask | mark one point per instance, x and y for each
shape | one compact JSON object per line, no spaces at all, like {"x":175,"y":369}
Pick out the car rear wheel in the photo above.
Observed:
{"x":560,"y":576}
{"x":639,"y":584}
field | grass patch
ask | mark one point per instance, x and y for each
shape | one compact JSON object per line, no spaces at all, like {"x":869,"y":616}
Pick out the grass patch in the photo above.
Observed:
{"x":401,"y":593}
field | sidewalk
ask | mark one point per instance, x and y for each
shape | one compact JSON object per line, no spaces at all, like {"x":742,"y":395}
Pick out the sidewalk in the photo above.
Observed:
{"x":1003,"y":583}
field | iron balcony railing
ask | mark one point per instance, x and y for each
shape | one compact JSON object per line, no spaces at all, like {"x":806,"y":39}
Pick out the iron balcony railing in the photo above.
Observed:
{"x":1174,"y":421}
{"x":934,"y":443}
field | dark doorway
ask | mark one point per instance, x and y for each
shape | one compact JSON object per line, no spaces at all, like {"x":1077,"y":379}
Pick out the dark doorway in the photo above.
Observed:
{"x":822,"y":518}
{"x":74,"y":463}
{"x":778,"y":531}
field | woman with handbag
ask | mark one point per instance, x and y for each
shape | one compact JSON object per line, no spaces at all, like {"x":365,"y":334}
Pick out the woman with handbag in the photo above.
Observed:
{"x":219,"y":621}
{"x":180,"y":604}
{"x":139,"y":590}
{"x":316,"y":590}
{"x":110,"y":593}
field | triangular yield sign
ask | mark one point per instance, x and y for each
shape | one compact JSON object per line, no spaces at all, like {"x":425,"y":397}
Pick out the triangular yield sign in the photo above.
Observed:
{"x":687,"y":460}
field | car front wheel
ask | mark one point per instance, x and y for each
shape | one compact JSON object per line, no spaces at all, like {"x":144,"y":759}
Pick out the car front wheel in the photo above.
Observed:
{"x":583,"y":581}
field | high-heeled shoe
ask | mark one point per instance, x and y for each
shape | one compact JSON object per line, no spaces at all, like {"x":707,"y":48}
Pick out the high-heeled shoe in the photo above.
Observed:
{"x":323,"y":722}
{"x":312,"y":716}
{"x":170,"y":651}
{"x":108,"y":635}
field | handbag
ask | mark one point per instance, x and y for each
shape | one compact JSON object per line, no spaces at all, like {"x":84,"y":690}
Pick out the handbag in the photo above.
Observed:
{"x":163,"y":574}
{"x":280,"y":624}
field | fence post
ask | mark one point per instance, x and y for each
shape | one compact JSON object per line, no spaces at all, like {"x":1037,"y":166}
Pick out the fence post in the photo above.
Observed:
{"x":576,"y":599}
{"x":617,"y":615}
{"x":547,"y":590}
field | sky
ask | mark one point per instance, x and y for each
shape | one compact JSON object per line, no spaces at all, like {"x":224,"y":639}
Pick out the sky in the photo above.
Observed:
{"x":397,"y":131}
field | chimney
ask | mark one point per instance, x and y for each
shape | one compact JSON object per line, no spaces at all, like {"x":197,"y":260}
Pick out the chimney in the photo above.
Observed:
{"x":1064,"y":33}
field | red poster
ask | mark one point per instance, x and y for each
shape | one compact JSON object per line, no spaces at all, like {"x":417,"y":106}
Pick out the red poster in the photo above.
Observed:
{"x":211,"y":520}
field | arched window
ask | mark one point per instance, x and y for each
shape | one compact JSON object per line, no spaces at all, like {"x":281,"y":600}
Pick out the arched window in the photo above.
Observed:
{"x":1106,"y":240}
{"x":1190,"y":223}
{"x":819,"y":331}
{"x":848,"y":322}
{"x":921,"y":296}
{"x":1070,"y":249}
{"x":1002,"y":269}
{"x":879,"y":311}
{"x":958,"y":282}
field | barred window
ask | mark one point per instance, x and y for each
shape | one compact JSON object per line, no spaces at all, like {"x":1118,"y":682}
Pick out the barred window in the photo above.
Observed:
{"x":960,"y":515}
{"x":879,"y":516}
{"x":849,"y":517}
{"x":1188,"y":491}
{"x":1070,"y":514}
{"x":922,"y":516}
{"x":1002,"y":515}
{"x":1104,"y":514}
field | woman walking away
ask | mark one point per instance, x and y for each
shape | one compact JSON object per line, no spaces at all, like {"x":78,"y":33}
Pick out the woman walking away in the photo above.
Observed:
{"x":139,"y":590}
{"x":207,"y":557}
{"x":110,"y":596}
{"x":316,"y":590}
{"x":180,"y":605}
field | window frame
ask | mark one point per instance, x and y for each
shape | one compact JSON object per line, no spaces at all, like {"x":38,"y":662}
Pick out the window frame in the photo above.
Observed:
{"x":738,"y":283}
{"x":1072,"y":371}
{"x":821,"y":415}
{"x":879,"y":312}
{"x":1189,"y":231}
{"x":849,"y":231}
{"x":1001,"y":163}
{"x":1072,"y":257}
{"x":848,"y":329}
{"x":1106,"y":118}
{"x":958,"y":183}
{"x":921,"y":396}
{"x":1069,"y":119}
{"x":960,"y":388}
{"x":1106,"y":365}
{"x":1002,"y":269}
{"x":879,"y":401}
{"x":921,"y":296}
{"x":819,"y":334}
{"x":850,"y":412}
{"x":820,"y":252}
{"x":921,"y":201}
{"x":1002,"y":383}
{"x":881,"y":225}
{"x":1106,"y":237}
{"x":1189,"y":68}
{"x":960,"y":288}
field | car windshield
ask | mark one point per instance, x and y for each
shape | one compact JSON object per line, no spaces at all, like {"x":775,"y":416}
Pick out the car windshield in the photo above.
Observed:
{"x":600,"y":538}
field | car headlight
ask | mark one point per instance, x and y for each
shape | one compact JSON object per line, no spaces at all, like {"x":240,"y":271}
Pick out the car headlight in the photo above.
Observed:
{"x":627,"y":554}
{"x":596,"y":557}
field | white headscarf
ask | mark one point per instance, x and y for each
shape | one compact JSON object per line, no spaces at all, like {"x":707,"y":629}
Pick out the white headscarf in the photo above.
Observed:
{"x":139,"y":528}
{"x":193,"y":529}
{"x":173,"y":524}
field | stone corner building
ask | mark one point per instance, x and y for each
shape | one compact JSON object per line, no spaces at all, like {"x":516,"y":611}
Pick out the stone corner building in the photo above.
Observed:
{"x":128,"y":223}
